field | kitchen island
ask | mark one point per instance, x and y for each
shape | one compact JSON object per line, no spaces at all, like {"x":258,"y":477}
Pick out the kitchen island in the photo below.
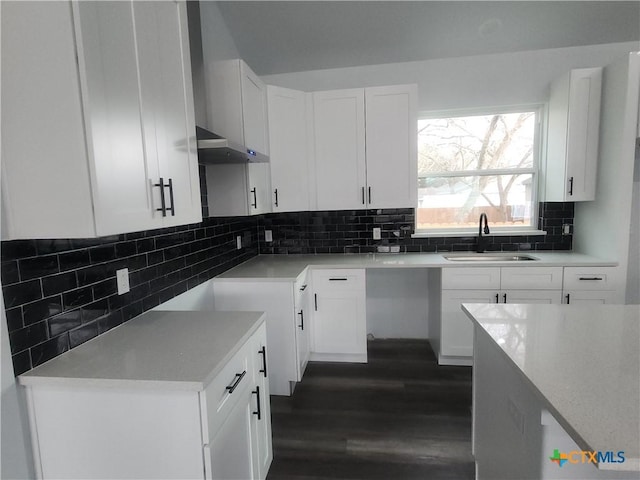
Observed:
{"x":552,"y":384}
{"x":165,"y":395}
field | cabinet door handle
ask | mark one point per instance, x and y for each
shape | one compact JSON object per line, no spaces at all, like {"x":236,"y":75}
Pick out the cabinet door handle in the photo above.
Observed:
{"x":315,"y":301}
{"x":301,"y":313}
{"x":570,"y":185}
{"x":276,"y":194}
{"x":363,"y":195}
{"x":258,"y":412}
{"x":263,"y":352}
{"x":568,"y":297}
{"x":163,"y":202}
{"x":369,"y":194}
{"x":236,"y":382}
{"x":172,"y":208}
{"x":255,"y":198}
{"x":504,"y":298}
{"x":590,"y":278}
{"x":338,"y":279}
{"x":497,"y":298}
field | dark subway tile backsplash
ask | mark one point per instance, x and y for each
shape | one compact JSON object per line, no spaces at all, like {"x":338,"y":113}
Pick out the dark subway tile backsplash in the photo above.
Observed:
{"x":60,"y":293}
{"x":351,"y":231}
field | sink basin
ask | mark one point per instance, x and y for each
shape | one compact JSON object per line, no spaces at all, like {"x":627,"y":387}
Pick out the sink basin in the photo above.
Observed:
{"x":488,"y":257}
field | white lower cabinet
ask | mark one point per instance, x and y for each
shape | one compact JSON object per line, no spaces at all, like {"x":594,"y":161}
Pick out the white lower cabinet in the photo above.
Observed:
{"x":591,"y":285}
{"x":487,"y":285}
{"x":277,"y":299}
{"x":85,"y":429}
{"x":339,"y":325}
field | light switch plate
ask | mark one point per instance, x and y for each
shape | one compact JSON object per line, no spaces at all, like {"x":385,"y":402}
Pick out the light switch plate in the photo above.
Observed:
{"x":376,"y":233}
{"x":122,"y":279}
{"x":268,"y":236}
{"x":239,"y":242}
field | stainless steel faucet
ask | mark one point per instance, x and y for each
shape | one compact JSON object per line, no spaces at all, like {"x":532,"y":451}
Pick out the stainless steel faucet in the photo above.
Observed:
{"x":481,"y":242}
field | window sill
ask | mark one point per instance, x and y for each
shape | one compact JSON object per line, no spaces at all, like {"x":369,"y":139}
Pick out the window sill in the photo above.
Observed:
{"x":474,"y":233}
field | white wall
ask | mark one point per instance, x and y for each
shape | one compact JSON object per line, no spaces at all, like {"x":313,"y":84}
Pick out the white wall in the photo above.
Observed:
{"x":397,"y":303}
{"x":466,"y":82}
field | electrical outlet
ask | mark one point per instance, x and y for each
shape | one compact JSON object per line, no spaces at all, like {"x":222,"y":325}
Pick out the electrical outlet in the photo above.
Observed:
{"x":268,"y":236}
{"x":566,"y":229}
{"x":376,"y":233}
{"x":239,"y":242}
{"x":122,"y":279}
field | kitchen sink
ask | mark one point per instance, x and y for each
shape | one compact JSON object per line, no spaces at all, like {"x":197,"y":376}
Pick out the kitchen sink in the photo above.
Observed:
{"x":488,"y":257}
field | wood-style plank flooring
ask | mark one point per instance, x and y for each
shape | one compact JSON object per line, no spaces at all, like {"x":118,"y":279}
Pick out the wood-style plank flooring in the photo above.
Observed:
{"x":400,"y":416}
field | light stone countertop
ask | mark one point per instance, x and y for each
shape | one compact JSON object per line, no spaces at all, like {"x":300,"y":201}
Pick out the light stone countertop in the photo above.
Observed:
{"x":583,"y":361}
{"x":158,"y":349}
{"x":288,"y":267}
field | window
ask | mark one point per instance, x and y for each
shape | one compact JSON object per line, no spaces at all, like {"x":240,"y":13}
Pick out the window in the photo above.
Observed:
{"x":468,"y":165}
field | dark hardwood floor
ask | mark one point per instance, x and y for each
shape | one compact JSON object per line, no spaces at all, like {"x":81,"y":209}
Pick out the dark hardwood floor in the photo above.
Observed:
{"x":400,"y":416}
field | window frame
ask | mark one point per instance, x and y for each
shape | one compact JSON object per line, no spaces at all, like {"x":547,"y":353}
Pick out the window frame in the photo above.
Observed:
{"x":539,"y":110}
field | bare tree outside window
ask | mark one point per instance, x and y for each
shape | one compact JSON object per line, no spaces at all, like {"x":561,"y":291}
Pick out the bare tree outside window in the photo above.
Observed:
{"x":473,"y":164}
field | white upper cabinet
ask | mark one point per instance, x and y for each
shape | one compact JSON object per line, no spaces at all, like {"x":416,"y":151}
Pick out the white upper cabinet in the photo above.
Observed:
{"x":97,"y":108}
{"x":238,"y":189}
{"x":339,"y":155}
{"x":391,"y":146}
{"x":365,"y":153}
{"x":288,"y":149}
{"x":237,"y":104}
{"x":572,"y":140}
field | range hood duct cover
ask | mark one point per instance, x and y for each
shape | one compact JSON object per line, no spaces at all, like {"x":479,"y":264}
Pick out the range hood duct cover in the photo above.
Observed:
{"x":214,"y":149}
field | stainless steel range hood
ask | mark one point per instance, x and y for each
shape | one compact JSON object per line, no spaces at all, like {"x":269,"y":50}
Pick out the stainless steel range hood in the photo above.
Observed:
{"x":213,"y":149}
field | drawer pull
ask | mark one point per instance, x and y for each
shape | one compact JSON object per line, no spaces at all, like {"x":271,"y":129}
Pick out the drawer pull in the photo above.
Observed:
{"x":258,"y":412}
{"x":590,"y":278}
{"x":236,"y":382}
{"x":263,"y":352}
{"x":340,"y":279}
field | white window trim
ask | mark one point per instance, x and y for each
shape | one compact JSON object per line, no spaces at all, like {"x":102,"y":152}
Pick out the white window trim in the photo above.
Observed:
{"x":502,"y":231}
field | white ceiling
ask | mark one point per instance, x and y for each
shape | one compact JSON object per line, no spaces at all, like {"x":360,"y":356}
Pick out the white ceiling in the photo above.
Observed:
{"x":280,"y":37}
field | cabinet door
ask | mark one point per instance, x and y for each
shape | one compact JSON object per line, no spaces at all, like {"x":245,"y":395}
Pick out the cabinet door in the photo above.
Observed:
{"x":122,"y":172}
{"x":259,"y":188}
{"x":589,"y":297}
{"x":303,"y":317}
{"x":545,"y":278}
{"x":167,"y":106}
{"x":229,"y":455}
{"x":582,"y":136}
{"x":38,"y":37}
{"x":339,"y":159}
{"x":261,"y":405}
{"x":456,"y":334}
{"x":254,"y":110}
{"x":572,"y":138}
{"x":288,"y":149}
{"x":531,"y":296}
{"x":339,"y":318}
{"x":391,"y":146}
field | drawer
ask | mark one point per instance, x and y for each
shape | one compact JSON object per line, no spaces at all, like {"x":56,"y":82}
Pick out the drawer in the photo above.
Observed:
{"x":471,"y":277}
{"x":536,"y":278}
{"x":220,"y":400}
{"x":590,"y":278}
{"x":342,"y":280}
